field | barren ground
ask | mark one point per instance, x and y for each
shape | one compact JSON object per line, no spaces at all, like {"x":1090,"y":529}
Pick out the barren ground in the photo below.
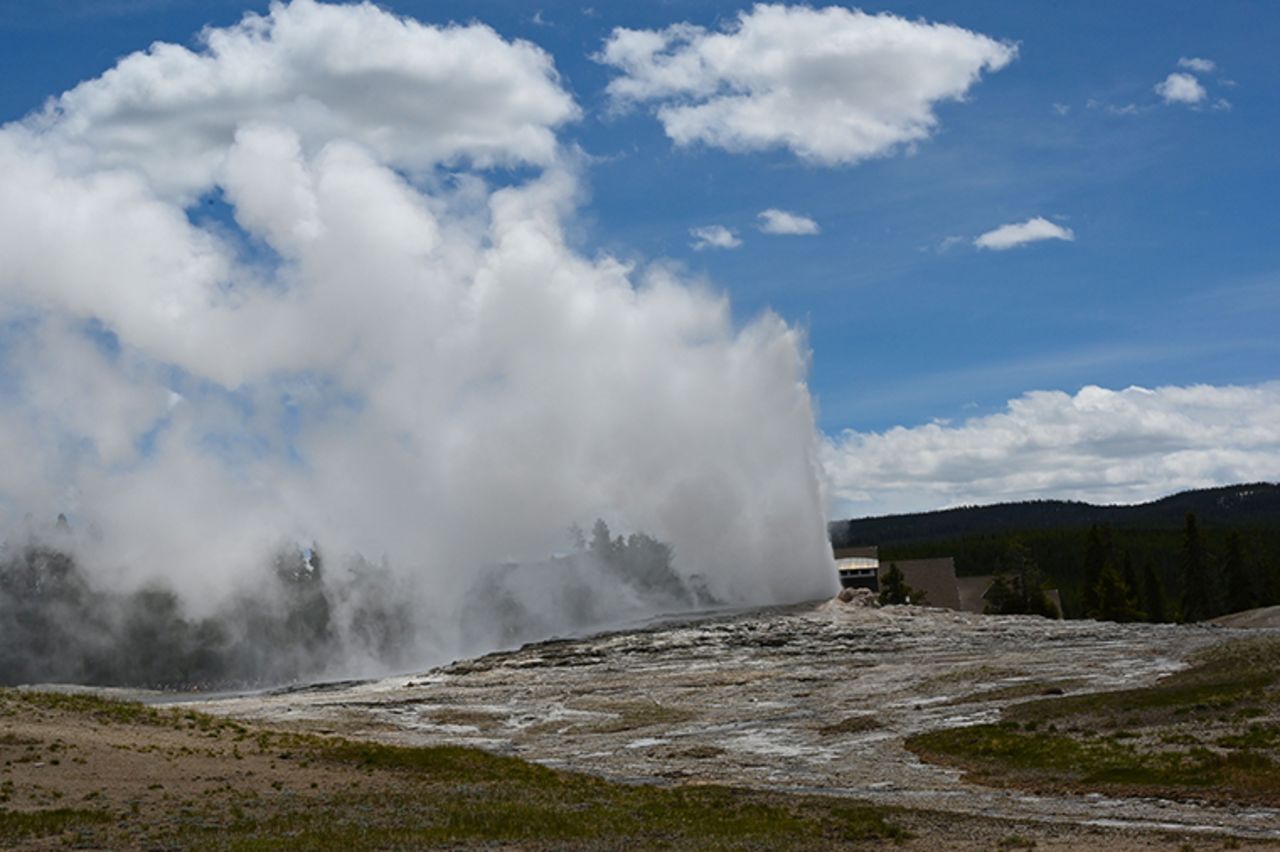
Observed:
{"x":814,"y":699}
{"x":810,"y":699}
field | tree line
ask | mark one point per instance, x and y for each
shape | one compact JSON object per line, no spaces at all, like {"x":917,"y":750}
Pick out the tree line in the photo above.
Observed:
{"x":293,"y":621}
{"x":1119,"y":574}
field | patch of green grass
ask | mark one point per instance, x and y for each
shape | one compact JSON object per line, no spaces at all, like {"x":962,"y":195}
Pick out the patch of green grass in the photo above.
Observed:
{"x":448,"y":796}
{"x":614,"y":817}
{"x":19,"y":826}
{"x":115,"y":712}
{"x":1137,"y":738}
{"x":1225,"y":676}
{"x":442,"y":764}
{"x":993,"y":750}
{"x":1255,"y":737}
{"x":508,"y":799}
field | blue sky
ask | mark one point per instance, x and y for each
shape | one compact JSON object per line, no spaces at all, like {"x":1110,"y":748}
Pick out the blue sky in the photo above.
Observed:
{"x":1172,"y":277}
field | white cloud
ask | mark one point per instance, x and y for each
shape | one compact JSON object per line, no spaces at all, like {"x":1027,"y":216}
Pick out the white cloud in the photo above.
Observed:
{"x":775,"y":221}
{"x":833,"y":85}
{"x":1030,"y":231}
{"x":1179,"y":88}
{"x":419,"y":370}
{"x":1117,"y":109}
{"x":1099,"y":445}
{"x":714,"y":236}
{"x":1197,"y":64}
{"x":413,"y":94}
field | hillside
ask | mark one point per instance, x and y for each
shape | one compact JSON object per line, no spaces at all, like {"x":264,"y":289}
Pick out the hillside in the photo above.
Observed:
{"x":1145,"y":543}
{"x":1230,"y":507}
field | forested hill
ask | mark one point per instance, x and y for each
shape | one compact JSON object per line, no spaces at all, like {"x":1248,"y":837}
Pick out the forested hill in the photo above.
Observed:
{"x":1230,"y":507}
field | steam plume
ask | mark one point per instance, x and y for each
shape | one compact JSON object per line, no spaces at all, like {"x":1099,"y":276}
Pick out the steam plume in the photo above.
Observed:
{"x":287,"y":288}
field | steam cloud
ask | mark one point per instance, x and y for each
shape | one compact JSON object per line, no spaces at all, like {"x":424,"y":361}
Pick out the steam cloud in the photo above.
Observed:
{"x":310,"y":283}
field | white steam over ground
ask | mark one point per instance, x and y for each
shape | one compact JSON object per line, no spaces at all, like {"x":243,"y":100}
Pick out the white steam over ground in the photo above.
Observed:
{"x":392,"y":351}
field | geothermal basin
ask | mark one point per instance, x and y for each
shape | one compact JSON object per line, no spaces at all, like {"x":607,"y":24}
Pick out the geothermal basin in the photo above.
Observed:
{"x":812,"y":698}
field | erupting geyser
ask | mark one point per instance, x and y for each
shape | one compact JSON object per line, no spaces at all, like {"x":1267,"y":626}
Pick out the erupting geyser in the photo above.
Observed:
{"x":310,"y":283}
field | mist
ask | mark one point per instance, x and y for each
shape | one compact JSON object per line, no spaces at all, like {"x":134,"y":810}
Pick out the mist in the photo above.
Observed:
{"x":309,"y":288}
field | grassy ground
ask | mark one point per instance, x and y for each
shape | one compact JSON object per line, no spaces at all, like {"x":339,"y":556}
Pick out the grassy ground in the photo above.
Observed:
{"x":84,"y":771}
{"x":1211,"y":731}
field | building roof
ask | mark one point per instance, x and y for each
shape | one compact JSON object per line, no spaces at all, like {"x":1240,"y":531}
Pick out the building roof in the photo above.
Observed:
{"x":935,"y":577}
{"x":973,"y":592}
{"x":872,"y":552}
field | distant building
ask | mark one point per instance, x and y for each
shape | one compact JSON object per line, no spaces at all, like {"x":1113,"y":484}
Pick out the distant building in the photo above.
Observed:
{"x":973,"y":592}
{"x":935,"y":577}
{"x":858,"y":567}
{"x":862,"y":568}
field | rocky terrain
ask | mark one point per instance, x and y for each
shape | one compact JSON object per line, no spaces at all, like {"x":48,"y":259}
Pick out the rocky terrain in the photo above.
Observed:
{"x":816,"y":698}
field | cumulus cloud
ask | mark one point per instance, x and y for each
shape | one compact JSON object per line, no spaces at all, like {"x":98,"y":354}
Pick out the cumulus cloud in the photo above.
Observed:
{"x":714,"y":236}
{"x":414,"y":95}
{"x":383,"y":352}
{"x":775,"y":221}
{"x":1098,"y":445}
{"x":1179,"y":88}
{"x":1021,"y":233}
{"x":1197,"y":64}
{"x":834,"y":86}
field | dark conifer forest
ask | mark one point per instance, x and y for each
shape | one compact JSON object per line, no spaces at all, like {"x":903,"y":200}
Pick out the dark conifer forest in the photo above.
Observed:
{"x":1188,"y":557}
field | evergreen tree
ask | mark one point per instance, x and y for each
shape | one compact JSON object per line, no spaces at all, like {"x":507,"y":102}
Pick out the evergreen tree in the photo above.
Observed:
{"x":602,"y":545}
{"x":1001,"y":598}
{"x":1199,"y":592}
{"x":894,"y":588}
{"x":1129,"y":574}
{"x":1235,"y":574}
{"x":1097,"y":551}
{"x":1115,"y":597}
{"x":1019,"y":586}
{"x":1153,"y":594}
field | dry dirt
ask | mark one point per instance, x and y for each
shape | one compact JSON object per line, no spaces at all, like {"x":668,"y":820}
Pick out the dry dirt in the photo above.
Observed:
{"x":151,"y":776}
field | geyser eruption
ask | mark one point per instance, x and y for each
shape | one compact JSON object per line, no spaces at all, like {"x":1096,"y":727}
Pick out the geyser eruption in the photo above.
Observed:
{"x":311,"y":283}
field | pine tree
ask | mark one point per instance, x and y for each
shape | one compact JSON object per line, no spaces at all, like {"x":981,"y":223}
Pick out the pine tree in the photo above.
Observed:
{"x":1019,"y":586}
{"x":1199,"y":592}
{"x":1153,"y":594}
{"x":603,"y":547}
{"x":1000,"y":597}
{"x":1129,"y":574}
{"x":1235,"y":574}
{"x":1096,"y":553}
{"x":894,"y":588}
{"x":1115,"y":597}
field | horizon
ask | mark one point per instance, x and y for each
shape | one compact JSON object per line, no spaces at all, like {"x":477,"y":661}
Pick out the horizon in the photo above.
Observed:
{"x":968,"y":506}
